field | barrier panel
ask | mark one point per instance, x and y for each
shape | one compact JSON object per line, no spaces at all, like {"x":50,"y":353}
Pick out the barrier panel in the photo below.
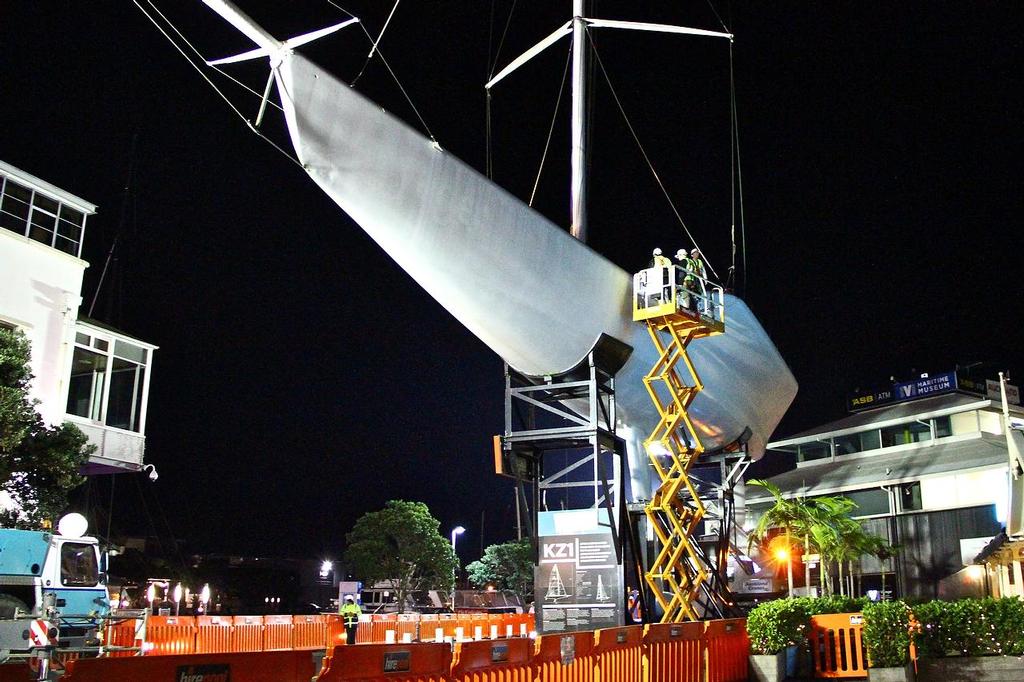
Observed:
{"x":567,"y":657}
{"x":837,"y":645}
{"x":408,"y":625}
{"x":726,"y":650}
{"x":269,"y":666}
{"x":619,"y":654}
{"x":213,"y":634}
{"x":675,"y":652}
{"x":123,"y":633}
{"x":169,"y":635}
{"x":501,"y":660}
{"x":335,"y":634}
{"x":247,"y":633}
{"x":308,"y":632}
{"x":277,"y":633}
{"x":424,"y":662}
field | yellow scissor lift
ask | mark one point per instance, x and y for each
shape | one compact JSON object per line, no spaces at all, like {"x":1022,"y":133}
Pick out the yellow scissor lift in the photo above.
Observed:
{"x":677,"y":307}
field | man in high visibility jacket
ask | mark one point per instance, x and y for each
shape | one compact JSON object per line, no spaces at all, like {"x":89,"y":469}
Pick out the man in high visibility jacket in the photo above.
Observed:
{"x":350,"y":612}
{"x":697,"y":267}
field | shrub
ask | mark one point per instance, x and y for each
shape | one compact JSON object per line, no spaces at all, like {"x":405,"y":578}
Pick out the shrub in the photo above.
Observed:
{"x":887,"y":633}
{"x":970,"y":627}
{"x":775,"y":625}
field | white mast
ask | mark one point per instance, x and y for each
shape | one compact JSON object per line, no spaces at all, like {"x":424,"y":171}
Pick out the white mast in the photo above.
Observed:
{"x":578,"y":186}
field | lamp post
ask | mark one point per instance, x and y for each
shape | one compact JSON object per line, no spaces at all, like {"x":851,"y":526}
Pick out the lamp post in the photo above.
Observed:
{"x":456,"y":532}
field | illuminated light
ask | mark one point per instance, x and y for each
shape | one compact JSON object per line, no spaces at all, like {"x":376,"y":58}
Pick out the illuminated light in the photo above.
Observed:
{"x":204,"y":596}
{"x":73,"y":525}
{"x":151,"y":593}
{"x":177,"y":593}
{"x":658,"y":448}
{"x":781,"y":554}
{"x":326,"y":567}
{"x":975,"y":572}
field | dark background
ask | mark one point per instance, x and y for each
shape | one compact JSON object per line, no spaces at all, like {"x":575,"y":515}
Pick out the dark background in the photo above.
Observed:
{"x":881,"y":182}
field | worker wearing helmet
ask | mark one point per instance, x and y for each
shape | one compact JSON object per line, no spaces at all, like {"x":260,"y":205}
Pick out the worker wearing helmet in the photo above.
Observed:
{"x":350,"y":612}
{"x":700,"y":283}
{"x":659,"y":261}
{"x":688,"y":284}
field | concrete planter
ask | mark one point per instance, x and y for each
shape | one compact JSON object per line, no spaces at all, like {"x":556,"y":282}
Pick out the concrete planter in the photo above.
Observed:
{"x":900,"y":674}
{"x":768,"y":667}
{"x":971,"y":669}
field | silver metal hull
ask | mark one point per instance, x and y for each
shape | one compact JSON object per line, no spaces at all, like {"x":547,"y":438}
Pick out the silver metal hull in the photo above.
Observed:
{"x":536,"y":296}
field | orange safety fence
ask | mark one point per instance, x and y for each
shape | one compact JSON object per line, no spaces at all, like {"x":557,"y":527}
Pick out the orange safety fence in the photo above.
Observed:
{"x":169,"y":635}
{"x":619,"y":654}
{"x":422,"y":662}
{"x":727,"y":649}
{"x":269,"y":666}
{"x":277,"y":633}
{"x":123,"y":634}
{"x":309,"y":632}
{"x":565,"y":657}
{"x":334,"y":631}
{"x":837,"y":645}
{"x":506,"y":660}
{"x":675,"y":652}
{"x":247,"y":633}
{"x":213,"y":634}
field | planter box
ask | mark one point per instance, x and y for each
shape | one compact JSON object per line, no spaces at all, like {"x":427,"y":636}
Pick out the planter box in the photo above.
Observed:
{"x":971,"y":669}
{"x":768,"y":667}
{"x":899,"y":674}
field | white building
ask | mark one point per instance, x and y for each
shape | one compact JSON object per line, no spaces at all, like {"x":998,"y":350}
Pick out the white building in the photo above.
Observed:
{"x":927,"y":463}
{"x":85,"y":372}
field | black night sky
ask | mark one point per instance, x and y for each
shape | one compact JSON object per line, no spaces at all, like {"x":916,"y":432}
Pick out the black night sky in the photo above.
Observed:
{"x":303,"y":378}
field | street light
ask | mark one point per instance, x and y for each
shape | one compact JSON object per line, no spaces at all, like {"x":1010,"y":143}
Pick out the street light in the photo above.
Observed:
{"x":456,"y":532}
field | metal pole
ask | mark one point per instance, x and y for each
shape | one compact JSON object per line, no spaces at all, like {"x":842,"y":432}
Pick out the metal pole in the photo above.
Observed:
{"x":578,"y":191}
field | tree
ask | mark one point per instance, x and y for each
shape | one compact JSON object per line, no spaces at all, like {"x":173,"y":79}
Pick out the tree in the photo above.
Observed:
{"x":39,"y":464}
{"x":400,"y":546}
{"x":793,"y":517}
{"x":508,"y":566}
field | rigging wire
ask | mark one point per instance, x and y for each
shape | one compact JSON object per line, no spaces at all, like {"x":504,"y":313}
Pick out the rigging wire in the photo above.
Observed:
{"x":211,"y":83}
{"x":551,"y":128}
{"x":739,"y":170}
{"x":647,"y":159}
{"x":120,"y":223}
{"x":501,"y":42}
{"x":489,"y":139}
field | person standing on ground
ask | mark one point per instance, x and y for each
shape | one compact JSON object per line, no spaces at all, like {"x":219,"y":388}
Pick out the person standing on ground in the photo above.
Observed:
{"x":350,"y":612}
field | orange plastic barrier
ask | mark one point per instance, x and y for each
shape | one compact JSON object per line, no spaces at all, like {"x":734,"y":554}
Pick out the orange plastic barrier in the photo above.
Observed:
{"x":727,"y":649}
{"x":500,"y":660}
{"x":270,"y":666}
{"x":122,"y":634}
{"x":247,"y":633}
{"x":567,"y":657}
{"x":424,"y":662}
{"x":675,"y":652}
{"x":213,"y":634}
{"x":619,"y":652}
{"x":169,"y":635}
{"x":308,"y":632}
{"x":277,"y":633}
{"x":837,"y":645}
{"x":335,"y":630}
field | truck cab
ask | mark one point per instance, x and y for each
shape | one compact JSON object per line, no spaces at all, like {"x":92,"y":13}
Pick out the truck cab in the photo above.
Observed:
{"x":55,"y":576}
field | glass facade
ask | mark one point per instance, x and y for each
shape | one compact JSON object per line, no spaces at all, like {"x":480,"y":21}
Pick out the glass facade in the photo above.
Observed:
{"x":108,"y":382}
{"x":40,"y":217}
{"x":917,"y":431}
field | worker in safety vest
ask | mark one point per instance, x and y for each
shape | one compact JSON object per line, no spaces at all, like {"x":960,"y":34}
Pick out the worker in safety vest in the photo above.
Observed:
{"x":688,"y":285}
{"x":697,"y":266}
{"x":660,"y":261}
{"x":350,"y":612}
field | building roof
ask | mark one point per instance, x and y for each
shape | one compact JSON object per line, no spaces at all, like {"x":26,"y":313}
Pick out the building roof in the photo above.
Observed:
{"x":898,"y":413}
{"x":859,"y":471}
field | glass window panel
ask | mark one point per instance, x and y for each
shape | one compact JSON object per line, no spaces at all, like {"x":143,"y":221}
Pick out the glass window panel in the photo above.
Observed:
{"x":78,"y":565}
{"x":869,"y":502}
{"x":69,"y":230}
{"x":810,"y":451}
{"x":19,"y":192}
{"x":129,"y":351}
{"x":46,"y":203}
{"x":101,"y":344}
{"x":943,"y":427}
{"x":82,"y":338}
{"x":847,"y":445}
{"x":125,"y":401}
{"x":85,"y":390}
{"x":15,"y":211}
{"x":71,"y":216}
{"x":914,"y":432}
{"x":910,"y":496}
{"x":42,"y":227}
{"x":66,"y":245}
{"x":870,"y":440}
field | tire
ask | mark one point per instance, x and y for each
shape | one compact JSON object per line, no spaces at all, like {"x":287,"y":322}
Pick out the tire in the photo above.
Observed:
{"x":8,"y":604}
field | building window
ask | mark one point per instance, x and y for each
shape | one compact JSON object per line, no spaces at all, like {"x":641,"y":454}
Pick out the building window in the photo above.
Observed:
{"x":107,"y":381}
{"x":943,"y":427}
{"x":910,"y":496}
{"x":807,"y":452}
{"x":912,"y":432}
{"x":869,"y":502}
{"x":40,"y":217}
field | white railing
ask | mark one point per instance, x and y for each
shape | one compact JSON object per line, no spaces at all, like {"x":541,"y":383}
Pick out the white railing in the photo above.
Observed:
{"x":687,"y":291}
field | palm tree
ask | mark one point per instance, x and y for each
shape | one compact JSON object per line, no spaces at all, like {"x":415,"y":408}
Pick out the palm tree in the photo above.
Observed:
{"x":791,"y":516}
{"x":832,"y":532}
